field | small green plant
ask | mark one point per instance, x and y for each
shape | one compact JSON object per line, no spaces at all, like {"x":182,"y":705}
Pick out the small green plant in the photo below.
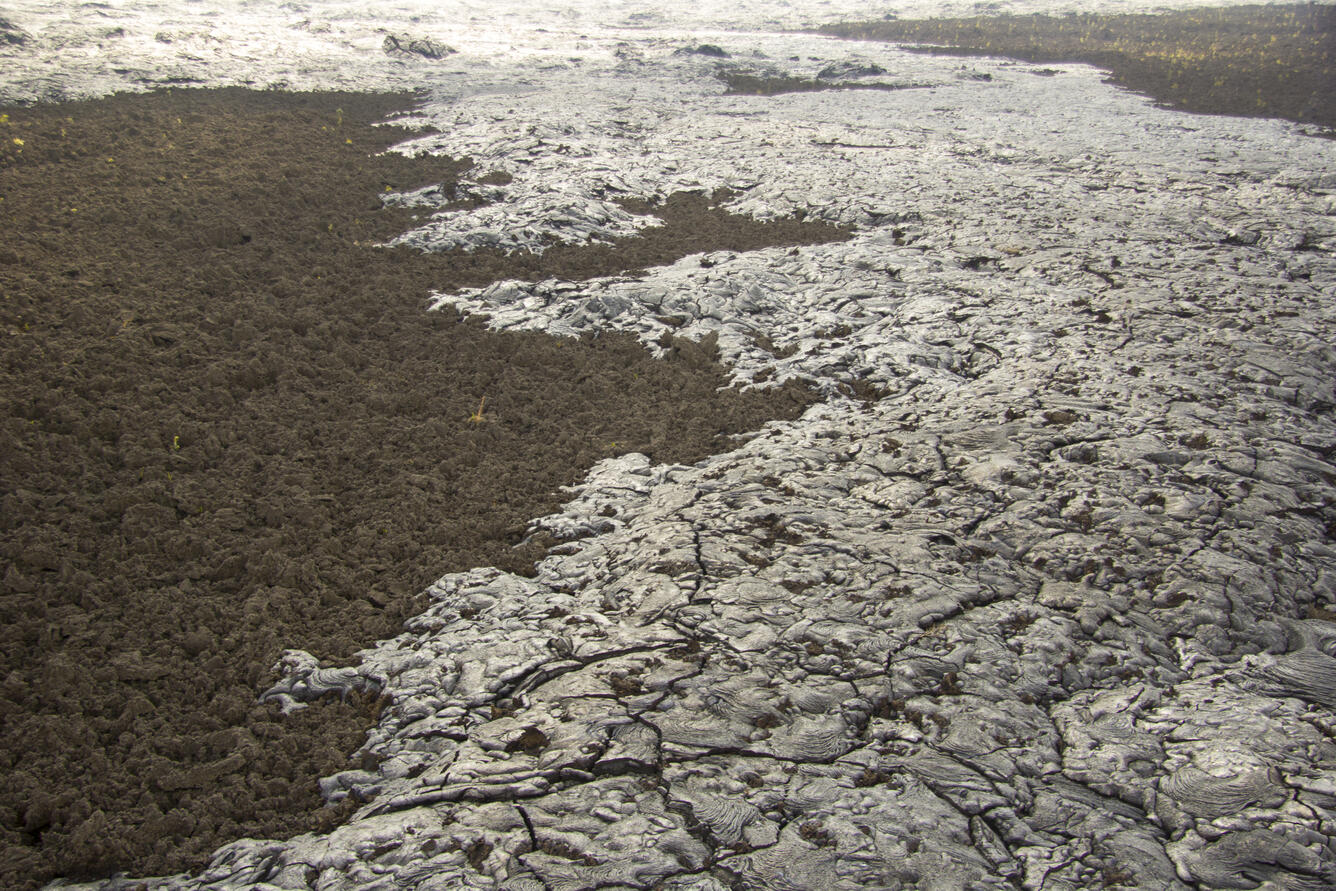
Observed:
{"x":477,"y":416}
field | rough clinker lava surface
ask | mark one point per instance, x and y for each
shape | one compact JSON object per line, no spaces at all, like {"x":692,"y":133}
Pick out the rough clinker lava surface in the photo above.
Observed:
{"x":1267,"y":61}
{"x":230,"y":427}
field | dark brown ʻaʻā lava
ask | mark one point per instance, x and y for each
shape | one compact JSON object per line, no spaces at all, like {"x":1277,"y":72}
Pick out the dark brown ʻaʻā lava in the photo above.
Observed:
{"x":228,"y":427}
{"x":1254,"y":61}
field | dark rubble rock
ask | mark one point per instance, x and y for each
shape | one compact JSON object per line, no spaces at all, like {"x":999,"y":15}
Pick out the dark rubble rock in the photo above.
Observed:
{"x":425,"y":47}
{"x":705,"y":49}
{"x":11,"y":34}
{"x":846,"y":70}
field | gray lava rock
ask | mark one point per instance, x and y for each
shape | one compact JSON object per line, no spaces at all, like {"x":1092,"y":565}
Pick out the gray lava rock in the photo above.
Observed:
{"x":1040,"y":595}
